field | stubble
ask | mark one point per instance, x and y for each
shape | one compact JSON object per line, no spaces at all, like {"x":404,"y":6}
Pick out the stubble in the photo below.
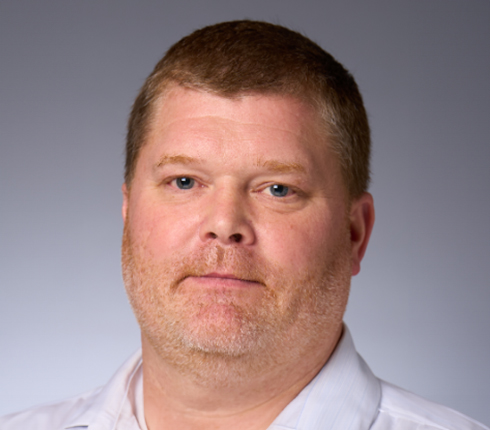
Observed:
{"x":220,"y":336}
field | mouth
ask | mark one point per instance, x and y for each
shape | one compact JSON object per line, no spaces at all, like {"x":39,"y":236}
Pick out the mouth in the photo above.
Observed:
{"x":226,"y":280}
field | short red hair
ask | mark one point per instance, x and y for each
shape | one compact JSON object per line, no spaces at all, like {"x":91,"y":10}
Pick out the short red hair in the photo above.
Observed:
{"x":250,"y":57}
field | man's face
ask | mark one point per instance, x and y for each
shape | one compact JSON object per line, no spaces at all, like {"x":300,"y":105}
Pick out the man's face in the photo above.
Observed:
{"x":237,"y":238}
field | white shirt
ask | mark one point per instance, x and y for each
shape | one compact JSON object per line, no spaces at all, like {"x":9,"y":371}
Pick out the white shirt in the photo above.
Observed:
{"x":345,"y":395}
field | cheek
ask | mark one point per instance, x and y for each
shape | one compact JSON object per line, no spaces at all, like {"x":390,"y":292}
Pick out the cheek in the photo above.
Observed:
{"x":297,"y":244}
{"x":161,"y":229}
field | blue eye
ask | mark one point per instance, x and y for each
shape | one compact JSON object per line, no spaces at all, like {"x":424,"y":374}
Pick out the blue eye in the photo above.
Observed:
{"x":278,"y":190}
{"x":184,"y":183}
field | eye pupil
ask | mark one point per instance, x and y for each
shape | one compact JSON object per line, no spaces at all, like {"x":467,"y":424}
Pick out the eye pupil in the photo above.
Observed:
{"x":278,"y":190}
{"x":184,"y":183}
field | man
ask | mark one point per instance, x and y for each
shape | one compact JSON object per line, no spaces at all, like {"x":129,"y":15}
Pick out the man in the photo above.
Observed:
{"x":246,"y":213}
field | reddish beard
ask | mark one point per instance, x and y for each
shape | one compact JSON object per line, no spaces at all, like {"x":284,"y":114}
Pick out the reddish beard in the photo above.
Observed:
{"x":216,"y":320}
{"x":188,"y":325}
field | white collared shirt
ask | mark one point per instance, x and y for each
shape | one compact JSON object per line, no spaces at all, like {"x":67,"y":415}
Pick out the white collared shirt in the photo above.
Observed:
{"x":345,"y":395}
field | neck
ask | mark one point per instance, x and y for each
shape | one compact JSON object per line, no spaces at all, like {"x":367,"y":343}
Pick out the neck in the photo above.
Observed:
{"x":229,"y":393}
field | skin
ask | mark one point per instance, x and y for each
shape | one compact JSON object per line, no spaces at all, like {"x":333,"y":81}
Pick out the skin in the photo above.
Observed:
{"x":239,"y":244}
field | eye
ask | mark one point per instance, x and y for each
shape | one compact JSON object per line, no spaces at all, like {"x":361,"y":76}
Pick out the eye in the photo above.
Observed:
{"x":278,"y":190}
{"x":184,"y":183}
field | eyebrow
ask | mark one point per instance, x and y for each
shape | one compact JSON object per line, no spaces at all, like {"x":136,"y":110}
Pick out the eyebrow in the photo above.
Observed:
{"x":177,"y":159}
{"x":272,"y":165}
{"x":280,"y":167}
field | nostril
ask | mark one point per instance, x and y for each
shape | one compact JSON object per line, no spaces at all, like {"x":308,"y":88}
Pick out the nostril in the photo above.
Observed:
{"x":237,"y":237}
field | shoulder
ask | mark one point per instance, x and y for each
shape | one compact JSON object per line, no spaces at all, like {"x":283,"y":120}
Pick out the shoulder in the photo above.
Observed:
{"x":102,"y":405}
{"x":400,"y":409}
{"x":50,"y":416}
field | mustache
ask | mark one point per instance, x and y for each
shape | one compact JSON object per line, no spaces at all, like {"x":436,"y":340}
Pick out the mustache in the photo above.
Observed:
{"x":235,"y":262}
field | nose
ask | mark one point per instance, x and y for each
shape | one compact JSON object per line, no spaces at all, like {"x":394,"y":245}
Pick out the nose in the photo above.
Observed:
{"x":225,"y":219}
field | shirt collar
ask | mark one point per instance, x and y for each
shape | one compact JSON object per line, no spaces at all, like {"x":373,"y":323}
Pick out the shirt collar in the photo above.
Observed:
{"x":344,"y":395}
{"x":113,"y":405}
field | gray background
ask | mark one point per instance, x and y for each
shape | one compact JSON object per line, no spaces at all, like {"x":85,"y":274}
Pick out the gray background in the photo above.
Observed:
{"x":69,"y":71}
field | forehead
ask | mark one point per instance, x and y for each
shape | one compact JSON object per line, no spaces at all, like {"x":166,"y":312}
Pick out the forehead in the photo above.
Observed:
{"x":278,"y":111}
{"x":248,"y":129}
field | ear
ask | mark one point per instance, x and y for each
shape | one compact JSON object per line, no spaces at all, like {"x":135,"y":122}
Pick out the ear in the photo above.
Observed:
{"x":361,"y":225}
{"x":125,"y":204}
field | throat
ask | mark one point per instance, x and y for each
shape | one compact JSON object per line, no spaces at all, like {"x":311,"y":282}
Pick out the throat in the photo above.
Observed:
{"x":224,"y":393}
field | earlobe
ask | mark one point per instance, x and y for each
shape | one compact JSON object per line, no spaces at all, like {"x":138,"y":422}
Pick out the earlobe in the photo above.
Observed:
{"x":125,"y":202}
{"x":361,"y":225}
